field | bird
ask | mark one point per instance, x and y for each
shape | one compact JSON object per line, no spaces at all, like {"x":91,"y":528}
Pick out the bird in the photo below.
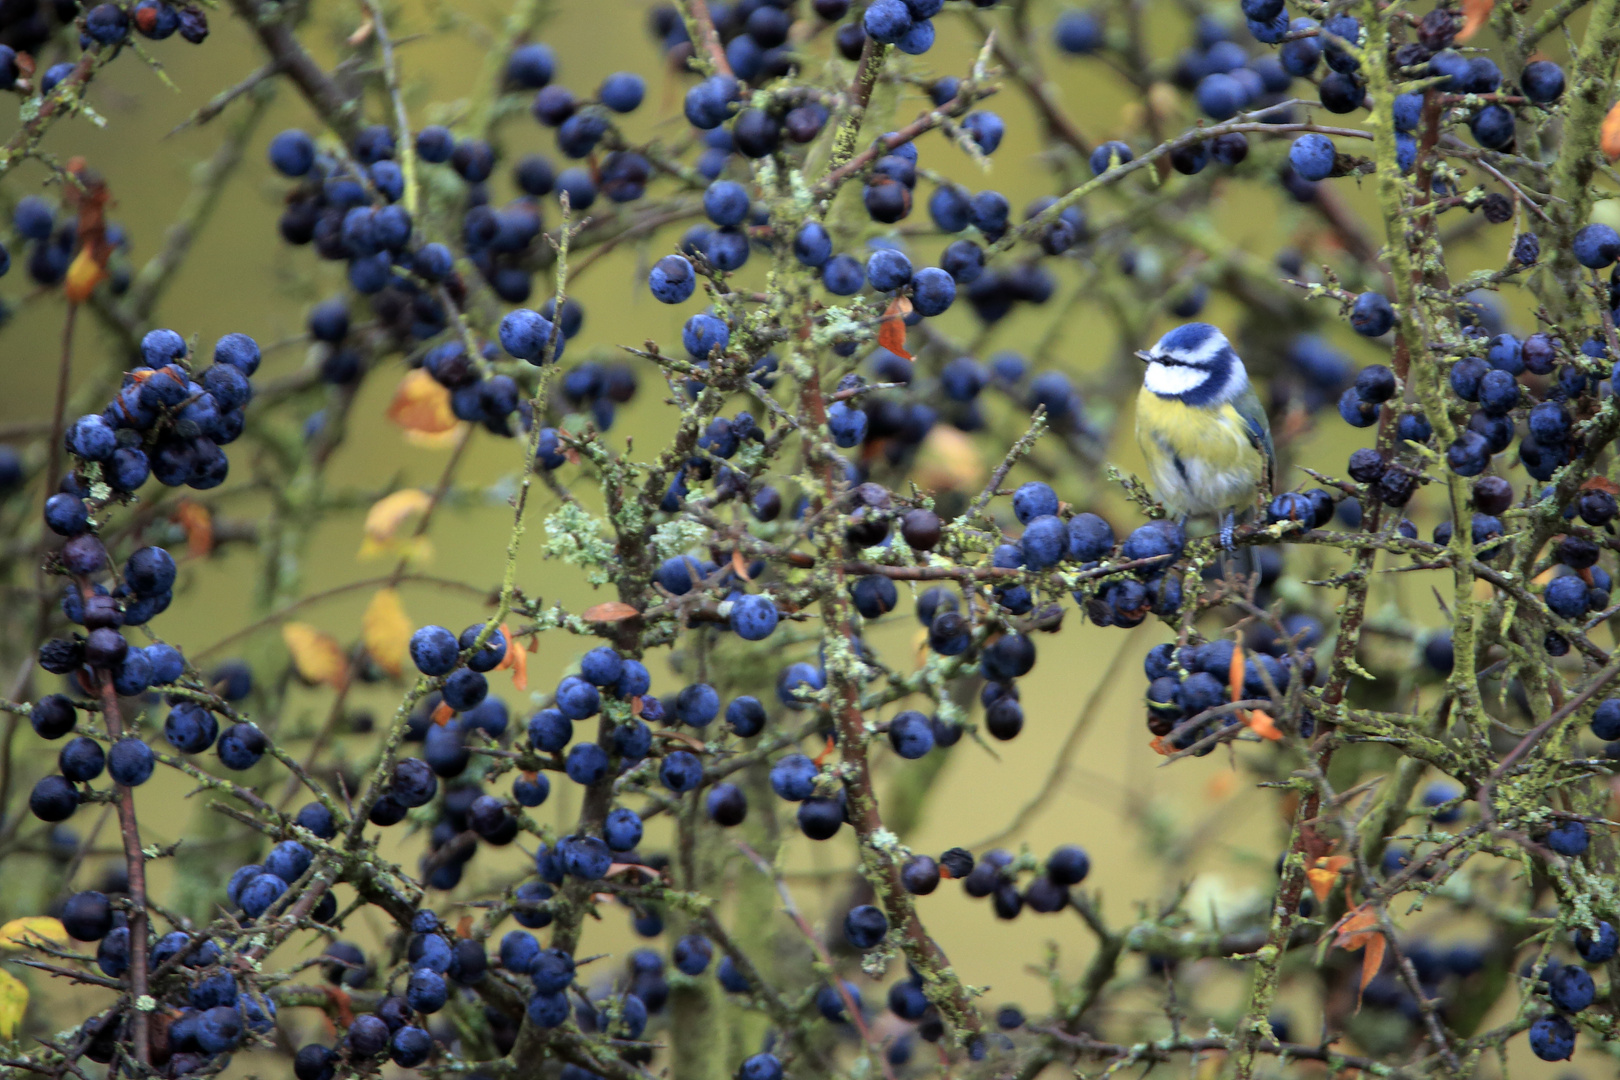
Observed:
{"x":1202,"y":430}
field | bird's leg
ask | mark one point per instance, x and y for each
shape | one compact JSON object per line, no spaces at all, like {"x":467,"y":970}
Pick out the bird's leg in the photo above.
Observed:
{"x":1228,"y":529}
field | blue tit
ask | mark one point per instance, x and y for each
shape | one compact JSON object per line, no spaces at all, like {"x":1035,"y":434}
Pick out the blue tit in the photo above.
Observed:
{"x":1201,"y":427}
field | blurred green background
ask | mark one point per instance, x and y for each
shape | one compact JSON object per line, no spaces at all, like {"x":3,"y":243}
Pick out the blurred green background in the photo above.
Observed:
{"x":1149,"y":831}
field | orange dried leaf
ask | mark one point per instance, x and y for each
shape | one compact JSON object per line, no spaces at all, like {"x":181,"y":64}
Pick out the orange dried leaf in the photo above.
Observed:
{"x":892,"y":336}
{"x":739,"y":565}
{"x":421,"y":406}
{"x":1372,"y":958}
{"x":1324,"y":873}
{"x":1359,"y":929}
{"x":609,"y":611}
{"x":1601,"y":483}
{"x":516,"y":659}
{"x":88,"y":199}
{"x":1262,"y":725}
{"x":385,"y":520}
{"x":634,"y":868}
{"x":1234,"y":673}
{"x":826,"y":752}
{"x":386,"y":631}
{"x":341,"y":1005}
{"x":1609,"y":134}
{"x":442,"y":714}
{"x":1321,"y":881}
{"x":464,"y":926}
{"x":1159,"y":746}
{"x":198,"y":524}
{"x":1352,"y":929}
{"x":316,"y":655}
{"x":1475,"y":14}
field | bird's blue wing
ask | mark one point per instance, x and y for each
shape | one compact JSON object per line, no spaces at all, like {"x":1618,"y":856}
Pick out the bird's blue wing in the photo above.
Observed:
{"x":1258,"y":428}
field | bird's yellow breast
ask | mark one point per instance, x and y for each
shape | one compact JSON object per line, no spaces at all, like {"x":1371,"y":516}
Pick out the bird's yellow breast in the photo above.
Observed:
{"x":1202,"y":461}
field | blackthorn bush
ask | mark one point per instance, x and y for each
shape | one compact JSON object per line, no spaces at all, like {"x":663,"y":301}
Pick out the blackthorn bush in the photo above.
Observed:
{"x":855,"y":413}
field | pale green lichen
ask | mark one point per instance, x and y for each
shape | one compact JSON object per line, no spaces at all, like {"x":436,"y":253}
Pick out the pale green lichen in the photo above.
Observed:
{"x":677,"y":536}
{"x":576,"y":536}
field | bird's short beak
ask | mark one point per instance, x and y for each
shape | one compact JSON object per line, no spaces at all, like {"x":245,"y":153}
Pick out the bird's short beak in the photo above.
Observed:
{"x":1145,"y":356}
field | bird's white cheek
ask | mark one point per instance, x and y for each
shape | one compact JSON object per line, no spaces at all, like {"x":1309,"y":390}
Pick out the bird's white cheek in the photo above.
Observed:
{"x":1167,"y":381}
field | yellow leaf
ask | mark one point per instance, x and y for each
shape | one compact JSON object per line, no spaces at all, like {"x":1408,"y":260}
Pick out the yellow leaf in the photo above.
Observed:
{"x":83,"y":275}
{"x":13,"y":1003}
{"x":1609,"y":134}
{"x":21,"y":933}
{"x":316,"y":654}
{"x":1475,"y":15}
{"x":949,"y":460}
{"x":386,"y":630}
{"x":422,"y":406}
{"x":387,"y":517}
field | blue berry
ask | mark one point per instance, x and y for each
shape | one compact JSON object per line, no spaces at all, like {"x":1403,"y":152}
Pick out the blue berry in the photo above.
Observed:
{"x":81,"y":761}
{"x":1372,"y":315}
{"x":1498,"y":393}
{"x":602,"y":666}
{"x":1220,"y":96}
{"x":865,"y":926}
{"x":1077,"y":33}
{"x":911,"y":734}
{"x":672,"y":279}
{"x":726,"y":202}
{"x":259,"y":893}
{"x":1542,"y":81}
{"x":753,"y":617}
{"x":703,"y":334}
{"x":1492,"y":127}
{"x":622,"y":91}
{"x":577,"y":699}
{"x":1110,"y":155}
{"x":527,"y":335}
{"x":434,"y":650}
{"x":622,"y":829}
{"x":587,"y":764}
{"x":1312,"y":156}
{"x":793,"y":778}
{"x":1552,"y":1038}
{"x":1570,"y":988}
{"x":1568,"y":838}
{"x":697,"y":705}
{"x":986,"y":129}
{"x":847,"y":424}
{"x":531,"y":66}
{"x":292,"y":153}
{"x":886,"y":21}
{"x":681,"y":771}
{"x":1596,"y":246}
{"x":1600,"y":947}
{"x":130,"y":762}
{"x":843,"y":275}
{"x":933,"y":290}
{"x":1045,"y":542}
{"x":426,"y":991}
{"x":692,"y":954}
